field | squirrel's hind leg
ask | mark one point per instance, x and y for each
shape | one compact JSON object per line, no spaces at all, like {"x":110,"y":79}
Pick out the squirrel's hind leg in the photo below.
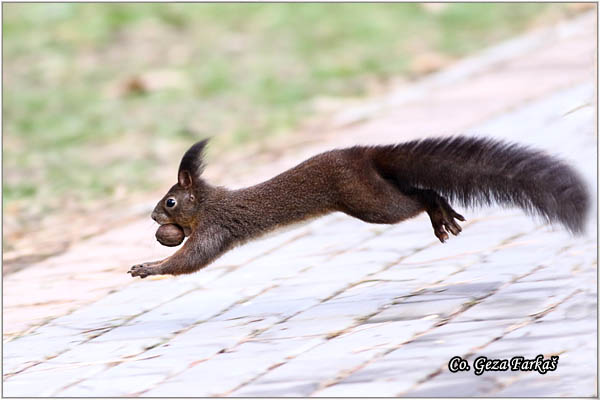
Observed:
{"x":375,"y":199}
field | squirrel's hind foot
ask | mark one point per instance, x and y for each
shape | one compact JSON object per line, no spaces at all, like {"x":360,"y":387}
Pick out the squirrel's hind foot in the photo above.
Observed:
{"x":443,"y":219}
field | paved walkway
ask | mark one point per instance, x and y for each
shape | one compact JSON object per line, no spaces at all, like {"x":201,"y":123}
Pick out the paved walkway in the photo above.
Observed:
{"x":338,"y":307}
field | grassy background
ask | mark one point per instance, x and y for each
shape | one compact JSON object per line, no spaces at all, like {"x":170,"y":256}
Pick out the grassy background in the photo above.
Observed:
{"x":99,"y":97}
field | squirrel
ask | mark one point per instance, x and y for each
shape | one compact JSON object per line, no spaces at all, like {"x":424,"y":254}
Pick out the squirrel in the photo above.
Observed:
{"x":384,"y":184}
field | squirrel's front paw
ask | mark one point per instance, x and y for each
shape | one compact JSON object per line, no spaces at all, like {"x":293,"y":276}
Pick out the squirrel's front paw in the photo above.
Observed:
{"x":143,"y":270}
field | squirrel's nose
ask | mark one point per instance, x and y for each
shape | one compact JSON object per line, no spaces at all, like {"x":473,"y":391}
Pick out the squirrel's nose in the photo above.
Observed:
{"x":154,"y":216}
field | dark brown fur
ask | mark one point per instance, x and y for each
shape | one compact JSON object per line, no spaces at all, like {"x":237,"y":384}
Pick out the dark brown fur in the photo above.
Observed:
{"x":380,"y":184}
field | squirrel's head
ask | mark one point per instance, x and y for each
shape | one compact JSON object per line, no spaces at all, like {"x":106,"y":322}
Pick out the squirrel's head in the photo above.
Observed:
{"x":181,"y":203}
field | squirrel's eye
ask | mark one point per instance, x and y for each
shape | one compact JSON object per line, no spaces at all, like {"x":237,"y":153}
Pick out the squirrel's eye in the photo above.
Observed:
{"x":171,"y":202}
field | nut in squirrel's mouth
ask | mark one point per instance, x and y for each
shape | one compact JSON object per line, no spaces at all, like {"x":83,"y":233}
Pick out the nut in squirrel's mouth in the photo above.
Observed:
{"x":186,"y":230}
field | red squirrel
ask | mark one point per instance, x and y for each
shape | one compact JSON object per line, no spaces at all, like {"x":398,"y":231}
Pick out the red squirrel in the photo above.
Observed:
{"x":377,"y":184}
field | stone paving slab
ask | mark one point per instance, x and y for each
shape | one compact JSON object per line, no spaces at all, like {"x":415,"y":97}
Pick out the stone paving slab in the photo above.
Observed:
{"x":337,"y":307}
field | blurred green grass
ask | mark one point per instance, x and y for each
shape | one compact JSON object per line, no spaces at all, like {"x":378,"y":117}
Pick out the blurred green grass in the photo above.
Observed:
{"x":99,"y":97}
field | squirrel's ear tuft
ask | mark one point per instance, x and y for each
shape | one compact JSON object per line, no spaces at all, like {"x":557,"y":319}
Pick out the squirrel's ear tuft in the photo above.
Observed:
{"x":192,"y":164}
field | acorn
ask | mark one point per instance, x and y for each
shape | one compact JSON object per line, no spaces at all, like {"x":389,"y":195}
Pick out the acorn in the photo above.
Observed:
{"x":170,"y":235}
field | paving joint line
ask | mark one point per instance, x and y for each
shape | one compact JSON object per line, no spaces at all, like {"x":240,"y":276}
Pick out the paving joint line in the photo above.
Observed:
{"x":125,"y":321}
{"x":48,"y":320}
{"x":337,"y":293}
{"x":88,"y":339}
{"x":260,"y":331}
{"x":527,"y":321}
{"x":345,"y":373}
{"x":169,"y":338}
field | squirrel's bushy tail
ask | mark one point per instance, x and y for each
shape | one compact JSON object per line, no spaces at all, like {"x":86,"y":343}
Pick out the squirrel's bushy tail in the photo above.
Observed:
{"x":480,"y":171}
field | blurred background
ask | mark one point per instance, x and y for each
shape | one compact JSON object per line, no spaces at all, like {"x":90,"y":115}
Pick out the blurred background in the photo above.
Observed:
{"x":100,"y":100}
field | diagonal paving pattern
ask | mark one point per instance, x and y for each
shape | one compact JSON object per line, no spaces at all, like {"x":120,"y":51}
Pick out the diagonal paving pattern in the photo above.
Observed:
{"x":337,"y":307}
